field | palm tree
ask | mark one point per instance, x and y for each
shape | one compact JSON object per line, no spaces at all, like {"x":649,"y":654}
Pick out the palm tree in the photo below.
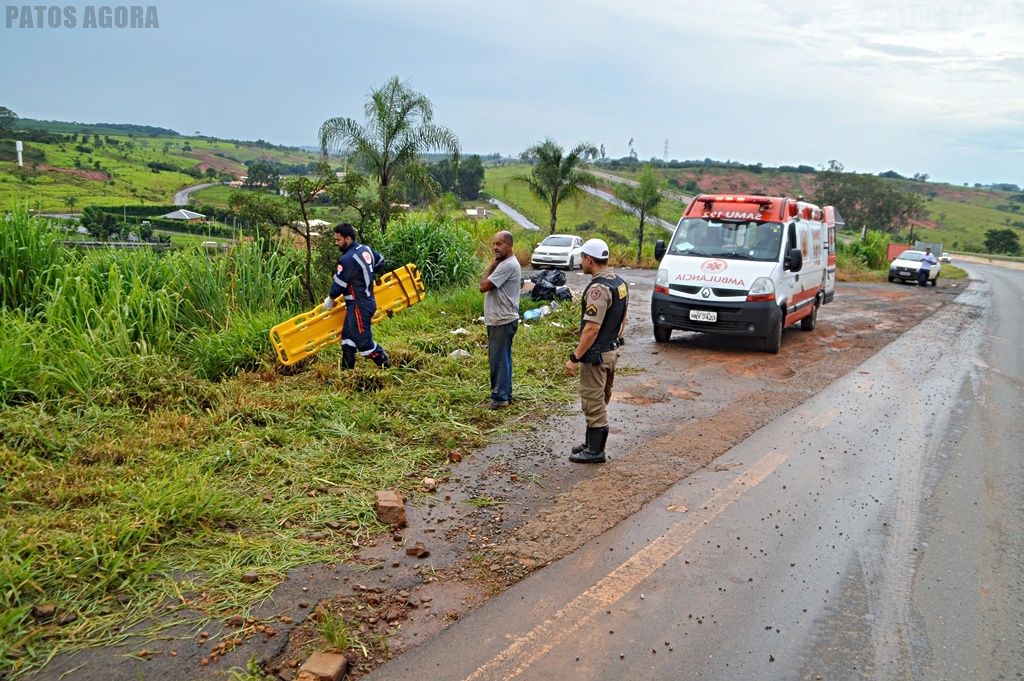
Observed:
{"x":398,"y":129}
{"x":644,"y":197}
{"x":556,"y":175}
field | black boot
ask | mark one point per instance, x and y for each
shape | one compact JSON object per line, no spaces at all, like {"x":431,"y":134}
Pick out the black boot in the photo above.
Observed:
{"x":593,"y":452}
{"x":380,"y":358}
{"x":581,"y":446}
{"x":348,"y":357}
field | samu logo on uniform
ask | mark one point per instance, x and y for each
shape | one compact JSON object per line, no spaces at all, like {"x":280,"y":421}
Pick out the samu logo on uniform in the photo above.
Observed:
{"x":86,"y":16}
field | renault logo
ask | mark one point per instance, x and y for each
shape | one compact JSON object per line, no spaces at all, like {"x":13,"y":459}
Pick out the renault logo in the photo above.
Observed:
{"x":705,"y":293}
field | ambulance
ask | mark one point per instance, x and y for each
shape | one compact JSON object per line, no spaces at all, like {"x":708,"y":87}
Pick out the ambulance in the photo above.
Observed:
{"x":746,"y":266}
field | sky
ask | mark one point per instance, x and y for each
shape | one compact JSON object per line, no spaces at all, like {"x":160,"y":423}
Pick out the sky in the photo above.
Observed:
{"x":913,"y":86}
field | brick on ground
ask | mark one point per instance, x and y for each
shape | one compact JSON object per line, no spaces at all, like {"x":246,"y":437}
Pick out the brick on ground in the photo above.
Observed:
{"x":391,"y":508}
{"x":323,"y":667}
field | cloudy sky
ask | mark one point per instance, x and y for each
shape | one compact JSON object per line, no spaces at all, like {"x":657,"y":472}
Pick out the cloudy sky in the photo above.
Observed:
{"x":933,"y":86}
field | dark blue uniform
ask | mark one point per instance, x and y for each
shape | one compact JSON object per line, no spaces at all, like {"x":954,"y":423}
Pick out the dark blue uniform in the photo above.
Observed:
{"x":353,"y":278}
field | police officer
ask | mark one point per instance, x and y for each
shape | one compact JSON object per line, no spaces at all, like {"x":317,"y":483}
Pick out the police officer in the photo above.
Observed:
{"x":602,"y":325}
{"x":353,"y":277}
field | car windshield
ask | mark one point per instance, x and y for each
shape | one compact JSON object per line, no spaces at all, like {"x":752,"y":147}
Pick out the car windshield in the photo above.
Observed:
{"x":557,"y":241}
{"x":911,"y":255}
{"x":750,"y":240}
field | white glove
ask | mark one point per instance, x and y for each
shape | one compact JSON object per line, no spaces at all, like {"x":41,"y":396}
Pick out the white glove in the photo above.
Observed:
{"x":328,"y":303}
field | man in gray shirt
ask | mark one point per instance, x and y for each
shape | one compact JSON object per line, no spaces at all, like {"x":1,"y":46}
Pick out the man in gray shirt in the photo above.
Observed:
{"x":500,"y":286}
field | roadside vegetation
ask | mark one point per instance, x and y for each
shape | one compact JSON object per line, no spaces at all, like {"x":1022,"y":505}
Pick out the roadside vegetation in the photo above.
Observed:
{"x":867,"y":259}
{"x":151,"y":452}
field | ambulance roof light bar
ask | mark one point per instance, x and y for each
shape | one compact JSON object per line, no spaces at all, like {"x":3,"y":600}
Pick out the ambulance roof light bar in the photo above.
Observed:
{"x":762,"y":201}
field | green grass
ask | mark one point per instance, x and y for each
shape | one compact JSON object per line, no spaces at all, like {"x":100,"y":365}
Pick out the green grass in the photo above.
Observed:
{"x":587,"y":217}
{"x":127,"y":180}
{"x":130,"y":480}
{"x":962,"y":226}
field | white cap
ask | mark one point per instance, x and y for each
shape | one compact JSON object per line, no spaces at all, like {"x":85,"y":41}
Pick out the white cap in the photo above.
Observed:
{"x":596,"y":248}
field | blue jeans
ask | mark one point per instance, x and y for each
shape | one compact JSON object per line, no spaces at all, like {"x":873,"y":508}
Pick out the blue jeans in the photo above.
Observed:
{"x":922,"y":277}
{"x":499,"y":355}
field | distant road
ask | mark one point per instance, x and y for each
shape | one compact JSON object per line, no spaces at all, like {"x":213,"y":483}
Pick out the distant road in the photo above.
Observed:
{"x":632,"y":183}
{"x":181,"y":198}
{"x":605,"y":196}
{"x":516,"y":216}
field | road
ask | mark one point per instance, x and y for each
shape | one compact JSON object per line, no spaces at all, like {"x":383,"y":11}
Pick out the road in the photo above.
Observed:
{"x":682,"y":198}
{"x":875,"y":531}
{"x":605,"y":196}
{"x":516,"y":216}
{"x":181,"y":197}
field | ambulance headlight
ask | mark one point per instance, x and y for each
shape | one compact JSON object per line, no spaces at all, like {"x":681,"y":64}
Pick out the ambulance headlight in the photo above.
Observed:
{"x":662,"y":279}
{"x":762,"y":290}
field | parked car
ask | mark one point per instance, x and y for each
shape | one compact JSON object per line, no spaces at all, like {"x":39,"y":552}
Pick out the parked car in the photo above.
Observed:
{"x":906,"y":266}
{"x":945,"y":258}
{"x":558,"y":250}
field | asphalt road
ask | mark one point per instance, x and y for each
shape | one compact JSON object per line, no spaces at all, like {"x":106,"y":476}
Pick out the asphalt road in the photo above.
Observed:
{"x":876,"y":531}
{"x":181,"y":197}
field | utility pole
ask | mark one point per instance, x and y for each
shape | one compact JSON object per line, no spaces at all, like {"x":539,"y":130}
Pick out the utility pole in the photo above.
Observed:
{"x":665,"y":156}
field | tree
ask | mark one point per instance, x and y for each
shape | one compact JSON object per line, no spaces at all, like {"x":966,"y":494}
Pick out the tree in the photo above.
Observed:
{"x":7,"y":119}
{"x":303,"y":191}
{"x":867,"y":201}
{"x":556,"y":175}
{"x":399,"y":127}
{"x":258,"y":208}
{"x":643,"y":198}
{"x":470,"y":178}
{"x":98,"y":223}
{"x":70,"y":201}
{"x":262,"y":174}
{"x":1002,"y":241}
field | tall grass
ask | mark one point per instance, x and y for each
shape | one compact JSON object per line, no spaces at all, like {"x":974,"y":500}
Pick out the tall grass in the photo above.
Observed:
{"x":29,"y":251}
{"x":69,"y":319}
{"x":444,"y":252}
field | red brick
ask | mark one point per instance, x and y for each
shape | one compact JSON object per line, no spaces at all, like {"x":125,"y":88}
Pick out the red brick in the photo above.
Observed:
{"x":391,"y":508}
{"x":323,"y":667}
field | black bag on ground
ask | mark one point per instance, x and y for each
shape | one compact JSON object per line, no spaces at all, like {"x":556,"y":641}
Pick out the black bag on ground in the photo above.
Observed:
{"x":543,"y":290}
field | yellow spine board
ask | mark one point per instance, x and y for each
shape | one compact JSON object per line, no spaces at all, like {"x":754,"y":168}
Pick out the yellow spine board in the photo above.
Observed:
{"x":306,"y":334}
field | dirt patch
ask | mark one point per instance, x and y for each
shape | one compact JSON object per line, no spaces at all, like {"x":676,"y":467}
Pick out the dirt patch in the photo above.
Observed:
{"x":97,"y":175}
{"x":217,"y":163}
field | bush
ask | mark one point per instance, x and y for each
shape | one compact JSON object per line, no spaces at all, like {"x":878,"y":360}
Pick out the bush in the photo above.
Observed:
{"x":872,"y":252}
{"x":444,"y":252}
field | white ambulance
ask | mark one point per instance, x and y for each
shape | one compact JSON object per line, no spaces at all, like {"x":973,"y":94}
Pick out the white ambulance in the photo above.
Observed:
{"x":745,"y":266}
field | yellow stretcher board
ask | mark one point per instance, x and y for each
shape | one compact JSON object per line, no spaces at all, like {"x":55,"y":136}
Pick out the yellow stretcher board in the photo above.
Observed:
{"x":305,"y":335}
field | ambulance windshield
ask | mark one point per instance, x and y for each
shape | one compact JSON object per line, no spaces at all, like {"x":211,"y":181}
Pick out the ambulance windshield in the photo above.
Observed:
{"x":705,"y":238}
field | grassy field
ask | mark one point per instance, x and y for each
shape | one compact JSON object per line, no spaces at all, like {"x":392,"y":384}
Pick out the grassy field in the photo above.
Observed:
{"x":151,"y":453}
{"x":54,"y":172}
{"x":587,"y":217}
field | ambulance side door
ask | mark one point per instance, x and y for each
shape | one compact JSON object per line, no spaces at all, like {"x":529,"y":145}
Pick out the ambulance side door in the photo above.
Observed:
{"x":789,"y":281}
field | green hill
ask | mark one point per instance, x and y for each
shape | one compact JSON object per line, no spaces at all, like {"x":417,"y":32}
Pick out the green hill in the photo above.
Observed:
{"x":67,"y":168}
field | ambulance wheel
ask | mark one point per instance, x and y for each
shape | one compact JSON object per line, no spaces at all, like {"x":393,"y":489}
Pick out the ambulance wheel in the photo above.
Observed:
{"x":662,"y":334}
{"x":810,"y":321}
{"x":773,"y":341}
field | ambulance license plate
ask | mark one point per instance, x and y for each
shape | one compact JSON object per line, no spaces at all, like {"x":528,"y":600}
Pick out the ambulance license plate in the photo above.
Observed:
{"x":702,"y":316}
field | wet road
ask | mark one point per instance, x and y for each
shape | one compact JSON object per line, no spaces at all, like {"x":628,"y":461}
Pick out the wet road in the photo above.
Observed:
{"x":876,"y":531}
